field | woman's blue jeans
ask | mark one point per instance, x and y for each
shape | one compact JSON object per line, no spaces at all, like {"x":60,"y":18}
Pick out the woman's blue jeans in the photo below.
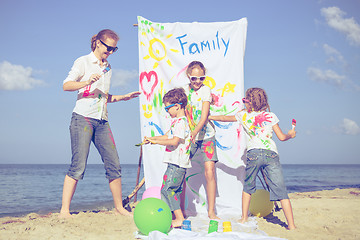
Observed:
{"x":85,"y":130}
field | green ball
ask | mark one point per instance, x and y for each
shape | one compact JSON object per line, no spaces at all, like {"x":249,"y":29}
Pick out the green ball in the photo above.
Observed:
{"x":152,"y":214}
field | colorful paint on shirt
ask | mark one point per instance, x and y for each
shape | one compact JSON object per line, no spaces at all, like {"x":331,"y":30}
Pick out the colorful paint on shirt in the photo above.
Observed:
{"x":258,"y":126}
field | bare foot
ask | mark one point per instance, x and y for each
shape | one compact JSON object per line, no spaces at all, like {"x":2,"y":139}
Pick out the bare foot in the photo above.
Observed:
{"x":291,"y":227}
{"x":213,"y":216}
{"x":177,"y":223}
{"x":242,"y":220}
{"x":123,"y":211}
{"x":64,"y":215}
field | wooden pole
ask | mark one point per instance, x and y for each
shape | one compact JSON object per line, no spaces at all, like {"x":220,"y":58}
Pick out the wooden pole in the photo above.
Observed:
{"x":126,"y":200}
{"x":138,"y":172}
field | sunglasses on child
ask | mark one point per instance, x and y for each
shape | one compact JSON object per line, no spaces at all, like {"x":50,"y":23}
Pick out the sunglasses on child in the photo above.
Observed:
{"x":108,"y":48}
{"x":194,"y":78}
{"x":244,"y":100}
{"x":170,"y":106}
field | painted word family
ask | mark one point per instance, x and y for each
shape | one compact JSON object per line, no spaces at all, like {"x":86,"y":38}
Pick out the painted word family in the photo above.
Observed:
{"x":216,"y":44}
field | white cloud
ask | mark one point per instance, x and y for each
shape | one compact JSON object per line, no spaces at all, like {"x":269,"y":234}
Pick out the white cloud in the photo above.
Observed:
{"x":335,"y":18}
{"x":121,"y":77}
{"x":349,"y":127}
{"x":326,"y":76}
{"x":17,"y":77}
{"x":333,"y":54}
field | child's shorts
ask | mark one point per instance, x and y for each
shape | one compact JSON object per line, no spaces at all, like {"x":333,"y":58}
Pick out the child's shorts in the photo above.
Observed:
{"x":268,"y":161}
{"x":204,"y":149}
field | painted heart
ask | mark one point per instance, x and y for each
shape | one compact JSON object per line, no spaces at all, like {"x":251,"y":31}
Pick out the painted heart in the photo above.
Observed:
{"x":150,"y":83}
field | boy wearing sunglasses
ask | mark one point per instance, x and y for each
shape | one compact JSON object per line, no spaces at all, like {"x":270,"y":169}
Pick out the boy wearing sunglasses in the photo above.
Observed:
{"x":177,"y":152}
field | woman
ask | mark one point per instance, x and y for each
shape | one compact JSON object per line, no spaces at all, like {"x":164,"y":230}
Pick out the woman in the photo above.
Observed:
{"x":90,"y":76}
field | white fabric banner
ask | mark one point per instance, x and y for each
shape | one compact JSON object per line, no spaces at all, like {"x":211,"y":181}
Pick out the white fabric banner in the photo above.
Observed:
{"x":165,"y":50}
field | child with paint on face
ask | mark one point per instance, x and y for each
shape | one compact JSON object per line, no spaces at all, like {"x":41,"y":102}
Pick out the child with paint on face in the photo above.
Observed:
{"x":177,"y":142}
{"x":259,"y":124}
{"x":203,"y":146}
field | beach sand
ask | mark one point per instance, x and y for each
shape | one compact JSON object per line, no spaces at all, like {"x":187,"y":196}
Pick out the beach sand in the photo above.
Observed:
{"x":329,"y":214}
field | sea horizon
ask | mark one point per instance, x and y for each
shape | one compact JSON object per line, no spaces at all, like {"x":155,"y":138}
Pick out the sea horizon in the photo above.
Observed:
{"x":37,"y":188}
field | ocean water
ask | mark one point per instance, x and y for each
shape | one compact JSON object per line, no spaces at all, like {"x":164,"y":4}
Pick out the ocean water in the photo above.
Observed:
{"x":26,"y":188}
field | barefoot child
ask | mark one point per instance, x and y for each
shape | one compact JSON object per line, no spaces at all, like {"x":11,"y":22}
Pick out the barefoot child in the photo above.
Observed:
{"x":177,"y":142}
{"x":203,"y":146}
{"x":262,"y":153}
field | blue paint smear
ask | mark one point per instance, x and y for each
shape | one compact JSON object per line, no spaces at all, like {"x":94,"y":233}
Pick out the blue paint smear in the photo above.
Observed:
{"x":160,"y":210}
{"x":157,"y":128}
{"x":223,"y":126}
{"x":222,"y":147}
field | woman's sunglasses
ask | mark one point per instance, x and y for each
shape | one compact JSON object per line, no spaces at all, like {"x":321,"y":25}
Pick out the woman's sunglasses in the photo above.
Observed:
{"x":170,"y":106}
{"x":108,"y":48}
{"x":193,"y":78}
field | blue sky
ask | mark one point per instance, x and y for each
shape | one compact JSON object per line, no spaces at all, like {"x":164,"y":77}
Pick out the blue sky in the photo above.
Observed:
{"x":305,"y":54}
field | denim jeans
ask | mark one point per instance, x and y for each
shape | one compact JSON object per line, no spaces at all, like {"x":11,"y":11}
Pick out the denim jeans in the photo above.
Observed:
{"x":268,"y":161}
{"x":85,"y":130}
{"x":172,"y":186}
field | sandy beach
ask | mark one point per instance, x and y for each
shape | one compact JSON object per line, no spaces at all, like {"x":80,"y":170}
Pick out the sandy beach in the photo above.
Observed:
{"x":328,"y":214}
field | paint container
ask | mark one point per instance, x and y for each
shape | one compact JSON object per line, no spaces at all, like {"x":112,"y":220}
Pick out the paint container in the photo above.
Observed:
{"x":186,"y":225}
{"x":227,"y":227}
{"x":213,"y":226}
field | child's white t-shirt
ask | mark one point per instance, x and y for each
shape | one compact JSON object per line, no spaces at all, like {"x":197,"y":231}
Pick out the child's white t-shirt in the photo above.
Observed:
{"x":179,"y":155}
{"x":258,"y":128}
{"x":195,"y":101}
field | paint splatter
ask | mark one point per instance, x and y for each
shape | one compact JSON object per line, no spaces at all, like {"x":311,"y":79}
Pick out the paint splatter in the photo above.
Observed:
{"x":87,"y":91}
{"x":147,"y":110}
{"x":223,"y":126}
{"x":222,"y":147}
{"x":164,"y":180}
{"x":157,"y":128}
{"x":218,"y":101}
{"x":112,"y":138}
{"x":209,"y":149}
{"x":261,"y":119}
{"x":152,"y":75}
